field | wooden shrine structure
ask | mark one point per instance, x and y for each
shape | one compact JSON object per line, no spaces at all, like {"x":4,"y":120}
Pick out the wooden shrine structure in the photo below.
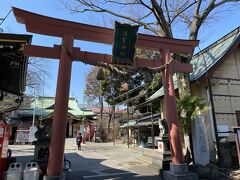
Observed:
{"x":66,"y":53}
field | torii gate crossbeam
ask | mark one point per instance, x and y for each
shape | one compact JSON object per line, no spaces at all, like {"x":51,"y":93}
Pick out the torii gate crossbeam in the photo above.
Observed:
{"x":69,"y":31}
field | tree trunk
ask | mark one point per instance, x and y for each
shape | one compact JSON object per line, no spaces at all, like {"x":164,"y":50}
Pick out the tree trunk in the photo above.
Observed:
{"x":191,"y":145}
{"x":184,"y":89}
{"x":183,"y":85}
{"x":183,"y":80}
{"x":101,"y":109}
{"x":110,"y":117}
{"x":109,"y":122}
{"x":194,"y":28}
{"x":114,"y":129}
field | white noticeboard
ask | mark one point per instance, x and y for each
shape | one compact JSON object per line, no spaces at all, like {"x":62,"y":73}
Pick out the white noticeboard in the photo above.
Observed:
{"x":32,"y":131}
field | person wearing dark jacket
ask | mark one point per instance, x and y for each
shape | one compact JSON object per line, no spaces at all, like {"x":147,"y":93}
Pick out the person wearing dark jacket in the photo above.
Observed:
{"x":79,"y":141}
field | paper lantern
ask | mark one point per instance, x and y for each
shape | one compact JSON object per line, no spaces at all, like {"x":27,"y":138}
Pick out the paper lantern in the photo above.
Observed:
{"x":100,"y":75}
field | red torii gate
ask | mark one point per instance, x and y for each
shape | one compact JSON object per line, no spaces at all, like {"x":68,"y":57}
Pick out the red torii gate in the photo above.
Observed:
{"x":69,"y":31}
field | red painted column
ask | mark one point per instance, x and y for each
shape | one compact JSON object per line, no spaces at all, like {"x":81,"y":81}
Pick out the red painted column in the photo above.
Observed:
{"x":59,"y":124}
{"x":171,"y":110}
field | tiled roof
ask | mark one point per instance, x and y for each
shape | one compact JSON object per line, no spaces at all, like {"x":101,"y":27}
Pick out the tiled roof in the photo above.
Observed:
{"x":129,"y":123}
{"x":204,"y":60}
{"x":208,"y":57}
{"x":45,"y":107}
{"x":143,"y":121}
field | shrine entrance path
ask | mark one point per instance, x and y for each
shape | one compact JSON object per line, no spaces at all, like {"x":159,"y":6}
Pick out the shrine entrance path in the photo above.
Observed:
{"x":99,"y":161}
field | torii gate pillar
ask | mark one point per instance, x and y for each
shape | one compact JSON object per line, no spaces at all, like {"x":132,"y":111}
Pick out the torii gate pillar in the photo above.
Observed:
{"x":178,"y":169}
{"x":58,"y":134}
{"x":171,"y":109}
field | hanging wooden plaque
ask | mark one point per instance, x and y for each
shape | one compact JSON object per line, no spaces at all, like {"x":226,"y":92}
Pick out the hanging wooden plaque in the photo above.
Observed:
{"x":125,"y":38}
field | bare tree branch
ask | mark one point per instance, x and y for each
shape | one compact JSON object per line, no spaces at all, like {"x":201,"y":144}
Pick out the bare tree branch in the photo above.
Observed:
{"x":122,"y":3}
{"x":98,"y":9}
{"x":145,"y":16}
{"x":200,"y":19}
{"x":147,"y":6}
{"x":161,"y":19}
{"x":206,"y":12}
{"x":181,"y":11}
{"x":167,"y":11}
{"x":185,"y":18}
{"x":197,"y":8}
{"x":36,"y":73}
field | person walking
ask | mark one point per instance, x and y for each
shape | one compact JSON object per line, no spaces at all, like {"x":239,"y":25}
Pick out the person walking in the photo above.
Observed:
{"x":79,"y":141}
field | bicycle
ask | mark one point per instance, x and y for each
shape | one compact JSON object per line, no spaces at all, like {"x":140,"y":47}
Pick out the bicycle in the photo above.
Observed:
{"x":66,"y":164}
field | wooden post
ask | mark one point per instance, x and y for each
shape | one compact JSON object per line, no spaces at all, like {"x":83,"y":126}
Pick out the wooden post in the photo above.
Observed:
{"x":59,"y":124}
{"x":152,"y":128}
{"x":237,"y":135}
{"x":171,"y":110}
{"x":113,"y":121}
{"x":127,"y":122}
{"x":139,"y":136}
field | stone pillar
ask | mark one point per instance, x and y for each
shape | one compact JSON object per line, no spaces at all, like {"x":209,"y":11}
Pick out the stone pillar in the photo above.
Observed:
{"x":200,"y":141}
{"x":179,"y":172}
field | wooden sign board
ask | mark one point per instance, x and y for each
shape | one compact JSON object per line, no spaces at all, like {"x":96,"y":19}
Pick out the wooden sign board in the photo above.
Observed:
{"x":125,"y":37}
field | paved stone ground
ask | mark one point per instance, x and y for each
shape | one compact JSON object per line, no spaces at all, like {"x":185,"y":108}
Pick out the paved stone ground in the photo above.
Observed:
{"x":99,"y":161}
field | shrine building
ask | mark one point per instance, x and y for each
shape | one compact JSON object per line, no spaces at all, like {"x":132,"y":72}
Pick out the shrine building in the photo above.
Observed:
{"x":22,"y":119}
{"x":216,"y":78}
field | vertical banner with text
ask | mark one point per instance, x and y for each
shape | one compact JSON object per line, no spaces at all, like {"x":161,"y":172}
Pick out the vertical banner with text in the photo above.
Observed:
{"x":125,"y":38}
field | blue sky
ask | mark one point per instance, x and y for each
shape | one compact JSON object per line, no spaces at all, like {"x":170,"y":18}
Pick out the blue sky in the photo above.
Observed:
{"x":53,"y":8}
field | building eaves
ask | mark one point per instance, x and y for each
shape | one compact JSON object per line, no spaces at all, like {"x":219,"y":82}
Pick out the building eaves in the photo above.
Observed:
{"x":205,"y":60}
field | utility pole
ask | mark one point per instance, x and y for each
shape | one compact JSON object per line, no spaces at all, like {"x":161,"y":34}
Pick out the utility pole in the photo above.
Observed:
{"x":127,"y":121}
{"x":114,"y":130}
{"x":152,"y":128}
{"x":34,"y":110}
{"x":83,"y":123}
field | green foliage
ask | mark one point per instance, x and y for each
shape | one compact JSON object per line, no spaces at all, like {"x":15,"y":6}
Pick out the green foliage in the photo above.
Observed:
{"x":111,"y":86}
{"x":156,"y":83}
{"x":188,"y":107}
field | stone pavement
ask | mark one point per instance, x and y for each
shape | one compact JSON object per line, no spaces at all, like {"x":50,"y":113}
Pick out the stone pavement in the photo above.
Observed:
{"x":100,"y":161}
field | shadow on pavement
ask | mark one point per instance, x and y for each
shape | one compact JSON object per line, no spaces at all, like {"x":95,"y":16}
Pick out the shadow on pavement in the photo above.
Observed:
{"x":89,"y":168}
